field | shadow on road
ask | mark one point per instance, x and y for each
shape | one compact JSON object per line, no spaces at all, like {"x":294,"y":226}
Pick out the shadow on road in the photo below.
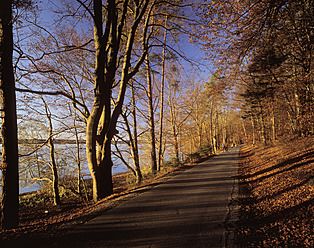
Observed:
{"x":190,"y":209}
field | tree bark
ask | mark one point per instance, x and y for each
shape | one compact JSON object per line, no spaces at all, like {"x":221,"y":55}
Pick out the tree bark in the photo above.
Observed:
{"x":101,"y":124}
{"x":98,"y":121}
{"x":273,"y":123}
{"x":215,"y":131}
{"x":133,"y":141}
{"x":55,"y":178}
{"x":173,"y":121}
{"x":136,"y":159}
{"x":262,"y":123}
{"x":162,"y":85}
{"x":253,"y":130}
{"x":78,"y":159}
{"x":10,"y":178}
{"x":151,"y":119}
{"x":244,"y":129}
{"x":224,"y":126}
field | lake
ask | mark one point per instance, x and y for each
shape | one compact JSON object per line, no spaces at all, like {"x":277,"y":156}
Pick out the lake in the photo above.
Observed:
{"x":66,"y":158}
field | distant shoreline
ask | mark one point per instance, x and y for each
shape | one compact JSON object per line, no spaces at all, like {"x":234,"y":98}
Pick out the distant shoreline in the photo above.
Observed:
{"x":56,"y":141}
{"x":113,"y":175}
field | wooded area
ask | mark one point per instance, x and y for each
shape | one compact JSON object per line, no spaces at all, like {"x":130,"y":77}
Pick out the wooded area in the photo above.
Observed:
{"x":267,"y":48}
{"x":114,"y":74}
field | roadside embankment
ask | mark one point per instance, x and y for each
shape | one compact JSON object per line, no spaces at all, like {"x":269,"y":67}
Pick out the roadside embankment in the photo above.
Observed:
{"x":277,"y":195}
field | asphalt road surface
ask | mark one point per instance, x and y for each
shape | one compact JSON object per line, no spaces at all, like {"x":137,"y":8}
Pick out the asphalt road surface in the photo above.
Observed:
{"x":193,"y":209}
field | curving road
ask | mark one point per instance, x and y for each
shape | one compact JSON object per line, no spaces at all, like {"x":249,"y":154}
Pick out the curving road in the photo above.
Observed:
{"x":193,"y":209}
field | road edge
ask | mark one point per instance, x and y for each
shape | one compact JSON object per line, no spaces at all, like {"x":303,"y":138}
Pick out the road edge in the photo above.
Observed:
{"x":232,"y":215}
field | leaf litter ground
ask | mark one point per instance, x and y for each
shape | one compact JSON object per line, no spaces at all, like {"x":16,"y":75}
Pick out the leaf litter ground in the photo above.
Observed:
{"x":277,"y":195}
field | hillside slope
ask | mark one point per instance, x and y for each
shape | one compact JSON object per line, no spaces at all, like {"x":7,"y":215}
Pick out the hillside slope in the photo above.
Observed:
{"x":277,"y":195}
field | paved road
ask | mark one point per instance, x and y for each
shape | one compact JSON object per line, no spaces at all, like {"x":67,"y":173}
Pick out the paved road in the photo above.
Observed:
{"x":190,"y":210}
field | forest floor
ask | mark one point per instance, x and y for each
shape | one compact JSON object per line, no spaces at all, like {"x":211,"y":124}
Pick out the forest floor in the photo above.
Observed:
{"x":277,"y":195}
{"x":39,"y":218}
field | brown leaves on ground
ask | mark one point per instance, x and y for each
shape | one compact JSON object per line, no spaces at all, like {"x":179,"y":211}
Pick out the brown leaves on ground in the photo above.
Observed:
{"x":276,"y":195}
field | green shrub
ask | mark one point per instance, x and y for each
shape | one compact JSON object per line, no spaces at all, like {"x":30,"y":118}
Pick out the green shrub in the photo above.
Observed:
{"x":311,"y":181}
{"x":205,"y":150}
{"x":172,"y":162}
{"x":193,"y":156}
{"x":34,"y":199}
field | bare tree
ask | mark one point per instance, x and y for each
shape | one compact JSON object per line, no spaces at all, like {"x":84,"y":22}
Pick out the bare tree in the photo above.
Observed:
{"x":132,"y":136}
{"x":122,"y":31}
{"x":101,"y":124}
{"x":151,"y":117}
{"x":53,"y":164}
{"x":162,"y":86}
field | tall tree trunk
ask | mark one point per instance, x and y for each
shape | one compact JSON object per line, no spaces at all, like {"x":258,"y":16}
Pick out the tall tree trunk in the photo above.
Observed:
{"x":244,"y":129}
{"x":224,"y":127}
{"x":101,"y":124}
{"x":151,"y":118}
{"x":91,"y":134}
{"x":133,"y":144}
{"x":55,"y":178}
{"x":80,"y":181}
{"x":254,"y":130}
{"x":212,"y":128}
{"x":298,"y":113}
{"x":176,"y":142}
{"x":173,"y":121}
{"x":273,"y":124}
{"x":135,"y":140}
{"x":200,"y":134}
{"x":262,"y":123}
{"x":162,"y":85}
{"x":10,"y":178}
{"x":100,"y":115}
{"x":78,"y":159}
{"x":215,"y":132}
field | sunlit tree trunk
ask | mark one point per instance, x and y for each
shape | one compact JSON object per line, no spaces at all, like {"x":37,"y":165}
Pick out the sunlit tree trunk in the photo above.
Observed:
{"x":253,"y":130}
{"x":97,"y":151}
{"x":244,"y":129}
{"x":215,"y":131}
{"x":174,"y":132}
{"x":151,"y":118}
{"x":133,"y":141}
{"x":273,"y":125}
{"x":162,"y":98}
{"x":212,"y":132}
{"x":101,"y":124}
{"x":53,"y":165}
{"x":172,"y":103}
{"x":55,"y":178}
{"x":135,"y":154}
{"x":262,"y":124}
{"x":10,"y":178}
{"x":78,"y":159}
{"x":224,"y":126}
